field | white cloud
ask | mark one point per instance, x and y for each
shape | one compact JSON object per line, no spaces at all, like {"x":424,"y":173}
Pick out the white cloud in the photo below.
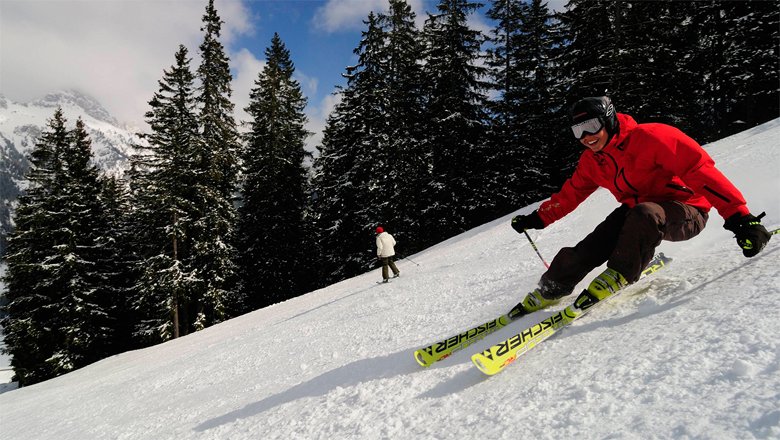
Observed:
{"x":246,"y":68}
{"x":338,"y":15}
{"x":341,"y":15}
{"x":113,"y":50}
{"x":318,"y":116}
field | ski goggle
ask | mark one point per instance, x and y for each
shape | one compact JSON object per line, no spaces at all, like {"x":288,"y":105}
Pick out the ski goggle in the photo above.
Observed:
{"x":589,"y":126}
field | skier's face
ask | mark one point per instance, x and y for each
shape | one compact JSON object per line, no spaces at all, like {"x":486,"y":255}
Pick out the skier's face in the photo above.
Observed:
{"x":595,"y":141}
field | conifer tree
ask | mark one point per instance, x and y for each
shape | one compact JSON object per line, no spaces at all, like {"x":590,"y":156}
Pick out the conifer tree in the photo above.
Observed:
{"x":217,"y":164}
{"x":613,"y":49}
{"x":591,"y":49}
{"x":735,"y":60}
{"x":122,"y":267}
{"x":62,"y":313}
{"x":753,"y":68}
{"x":526,"y":125}
{"x":164,"y":179}
{"x":275,"y":253}
{"x":701,"y":66}
{"x":351,"y":155}
{"x":91,"y":308}
{"x":402,"y":178}
{"x":455,"y":196}
{"x":35,"y":285}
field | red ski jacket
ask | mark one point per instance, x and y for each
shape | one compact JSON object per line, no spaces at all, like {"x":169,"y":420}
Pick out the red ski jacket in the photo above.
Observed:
{"x":647,"y":163}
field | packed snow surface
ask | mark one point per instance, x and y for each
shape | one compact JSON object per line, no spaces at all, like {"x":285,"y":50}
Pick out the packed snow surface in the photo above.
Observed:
{"x":691,"y":352}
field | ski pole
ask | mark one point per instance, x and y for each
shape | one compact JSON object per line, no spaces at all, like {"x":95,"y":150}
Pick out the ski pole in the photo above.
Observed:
{"x":405,"y":258}
{"x":533,"y":245}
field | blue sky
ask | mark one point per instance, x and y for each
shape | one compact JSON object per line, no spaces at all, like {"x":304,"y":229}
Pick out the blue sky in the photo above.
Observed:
{"x":116,"y":50}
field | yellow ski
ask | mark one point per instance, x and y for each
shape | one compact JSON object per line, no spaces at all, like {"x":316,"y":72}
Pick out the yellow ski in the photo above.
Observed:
{"x":497,"y":357}
{"x":443,"y":349}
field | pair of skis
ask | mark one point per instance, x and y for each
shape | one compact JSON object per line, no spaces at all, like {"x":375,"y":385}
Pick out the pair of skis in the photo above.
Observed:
{"x":496,"y":358}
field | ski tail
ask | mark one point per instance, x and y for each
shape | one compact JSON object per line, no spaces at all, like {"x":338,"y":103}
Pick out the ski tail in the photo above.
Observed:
{"x":496,"y":358}
{"x":441,"y":350}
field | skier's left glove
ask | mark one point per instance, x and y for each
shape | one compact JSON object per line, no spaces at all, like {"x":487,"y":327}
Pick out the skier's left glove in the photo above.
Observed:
{"x":752,"y":236}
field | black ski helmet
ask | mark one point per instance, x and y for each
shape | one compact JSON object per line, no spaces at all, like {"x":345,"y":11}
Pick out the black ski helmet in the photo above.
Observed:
{"x":596,"y":107}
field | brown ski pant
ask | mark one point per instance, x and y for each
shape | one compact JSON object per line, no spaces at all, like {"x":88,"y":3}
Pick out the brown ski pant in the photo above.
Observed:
{"x":388,"y":261}
{"x":625,"y":240}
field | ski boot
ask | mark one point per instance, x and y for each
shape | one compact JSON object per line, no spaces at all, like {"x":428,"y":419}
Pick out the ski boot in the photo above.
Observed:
{"x":605,"y":285}
{"x":533,"y":301}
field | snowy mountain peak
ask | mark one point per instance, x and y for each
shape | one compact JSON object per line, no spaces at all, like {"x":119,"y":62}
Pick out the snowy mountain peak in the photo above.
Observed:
{"x":72,"y":98}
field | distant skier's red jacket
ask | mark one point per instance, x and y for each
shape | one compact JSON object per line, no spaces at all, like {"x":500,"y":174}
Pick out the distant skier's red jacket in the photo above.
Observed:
{"x":647,"y":163}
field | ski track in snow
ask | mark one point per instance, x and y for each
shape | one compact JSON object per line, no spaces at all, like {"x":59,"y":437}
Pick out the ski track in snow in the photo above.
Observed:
{"x":690,"y":353}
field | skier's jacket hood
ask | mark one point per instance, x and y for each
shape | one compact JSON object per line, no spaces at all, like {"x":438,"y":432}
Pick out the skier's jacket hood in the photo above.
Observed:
{"x":647,"y":163}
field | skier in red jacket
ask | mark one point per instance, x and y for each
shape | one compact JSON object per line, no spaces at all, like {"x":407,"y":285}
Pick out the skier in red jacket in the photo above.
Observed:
{"x":666,"y":184}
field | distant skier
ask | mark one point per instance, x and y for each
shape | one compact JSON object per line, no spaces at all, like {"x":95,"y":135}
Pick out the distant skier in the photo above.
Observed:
{"x":666,"y":184}
{"x":385,"y":253}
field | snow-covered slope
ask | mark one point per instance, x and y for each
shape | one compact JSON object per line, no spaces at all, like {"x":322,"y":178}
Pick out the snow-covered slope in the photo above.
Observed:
{"x":692,"y":352}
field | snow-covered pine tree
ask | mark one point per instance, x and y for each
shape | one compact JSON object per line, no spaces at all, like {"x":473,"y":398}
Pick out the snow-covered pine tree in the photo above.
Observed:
{"x":454,"y":196}
{"x":212,"y":258}
{"x":406,"y":170}
{"x":526,"y":119}
{"x":163,"y":181}
{"x":705,"y":66}
{"x":122,"y":267}
{"x":275,"y":251}
{"x":351,"y":169}
{"x":35,"y":287}
{"x":92,"y":309}
{"x":735,"y":62}
{"x":753,"y":65}
{"x":61,"y":311}
{"x":588,"y":67}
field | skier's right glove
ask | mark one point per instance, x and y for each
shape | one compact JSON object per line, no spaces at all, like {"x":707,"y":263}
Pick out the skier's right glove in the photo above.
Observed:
{"x":752,"y":236}
{"x":531,"y":221}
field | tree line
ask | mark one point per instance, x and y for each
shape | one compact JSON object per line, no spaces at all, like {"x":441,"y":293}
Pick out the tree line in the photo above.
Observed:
{"x":438,"y":130}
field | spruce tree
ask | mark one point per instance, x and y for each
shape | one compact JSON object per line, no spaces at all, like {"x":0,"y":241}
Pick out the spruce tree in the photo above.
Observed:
{"x":92,"y":307}
{"x":405,"y":173}
{"x":351,"y":168}
{"x":164,"y":182}
{"x":216,"y":168}
{"x":588,"y":67}
{"x":455,"y":196}
{"x":62,"y":313}
{"x":123,"y":264}
{"x":735,"y":60}
{"x":35,"y":284}
{"x":526,"y":125}
{"x":272,"y":236}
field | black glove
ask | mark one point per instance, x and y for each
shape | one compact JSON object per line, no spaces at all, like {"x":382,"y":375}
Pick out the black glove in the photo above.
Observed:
{"x":531,"y":221}
{"x":752,"y":236}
